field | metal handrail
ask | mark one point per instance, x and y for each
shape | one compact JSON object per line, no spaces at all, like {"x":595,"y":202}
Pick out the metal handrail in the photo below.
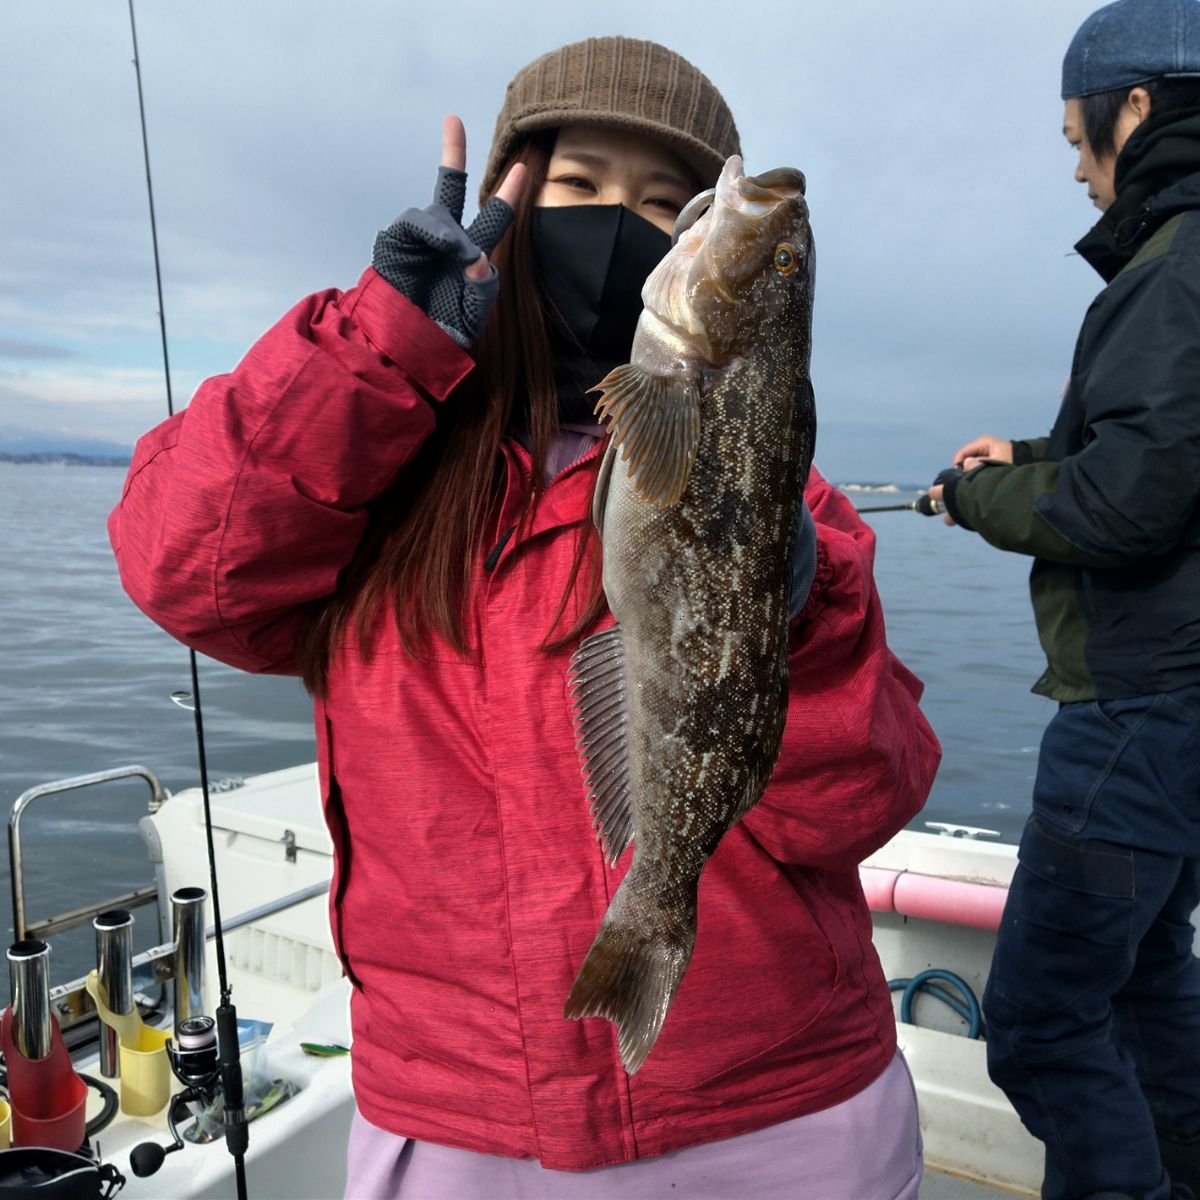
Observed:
{"x":138,"y":898}
{"x":57,"y":924}
{"x":269,"y":909}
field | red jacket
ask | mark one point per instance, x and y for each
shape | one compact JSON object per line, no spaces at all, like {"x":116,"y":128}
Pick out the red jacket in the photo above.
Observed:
{"x":468,"y":880}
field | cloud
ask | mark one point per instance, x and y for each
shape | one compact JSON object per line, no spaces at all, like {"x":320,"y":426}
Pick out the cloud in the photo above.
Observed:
{"x":116,"y":405}
{"x":283,"y":135}
{"x":132,"y":385}
{"x":24,"y":347}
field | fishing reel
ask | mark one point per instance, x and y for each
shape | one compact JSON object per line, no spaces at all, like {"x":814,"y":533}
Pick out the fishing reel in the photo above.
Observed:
{"x":193,"y":1055}
{"x":196,"y":1063}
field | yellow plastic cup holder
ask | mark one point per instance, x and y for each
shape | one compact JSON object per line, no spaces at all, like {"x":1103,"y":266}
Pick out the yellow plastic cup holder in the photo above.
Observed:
{"x":145,"y":1073}
{"x":145,"y":1069}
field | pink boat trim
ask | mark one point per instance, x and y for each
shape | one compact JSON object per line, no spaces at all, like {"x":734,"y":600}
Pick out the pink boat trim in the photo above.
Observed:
{"x":931,"y":898}
{"x":879,"y":887}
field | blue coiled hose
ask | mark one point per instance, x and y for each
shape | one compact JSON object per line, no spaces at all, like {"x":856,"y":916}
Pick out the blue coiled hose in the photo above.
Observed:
{"x":968,"y":1008}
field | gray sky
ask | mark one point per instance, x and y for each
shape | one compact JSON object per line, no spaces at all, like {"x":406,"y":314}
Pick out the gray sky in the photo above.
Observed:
{"x":284,"y":134}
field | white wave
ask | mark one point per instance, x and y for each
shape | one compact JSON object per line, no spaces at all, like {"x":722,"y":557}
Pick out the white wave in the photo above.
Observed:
{"x":870,"y":487}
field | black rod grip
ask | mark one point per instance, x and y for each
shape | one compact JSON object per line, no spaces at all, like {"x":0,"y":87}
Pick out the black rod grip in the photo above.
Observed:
{"x":237,"y":1136}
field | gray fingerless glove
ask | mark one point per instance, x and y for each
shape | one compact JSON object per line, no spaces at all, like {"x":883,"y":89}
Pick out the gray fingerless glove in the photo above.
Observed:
{"x":425,"y":251}
{"x":804,"y":561}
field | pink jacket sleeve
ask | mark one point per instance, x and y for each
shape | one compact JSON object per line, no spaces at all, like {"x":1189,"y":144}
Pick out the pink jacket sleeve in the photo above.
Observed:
{"x":242,"y":508}
{"x":858,"y":756}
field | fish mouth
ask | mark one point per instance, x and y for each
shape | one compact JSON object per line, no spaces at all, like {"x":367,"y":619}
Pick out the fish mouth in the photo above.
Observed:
{"x":747,"y":192}
{"x":712,"y":233}
{"x":691,"y":212}
{"x":757,"y":194}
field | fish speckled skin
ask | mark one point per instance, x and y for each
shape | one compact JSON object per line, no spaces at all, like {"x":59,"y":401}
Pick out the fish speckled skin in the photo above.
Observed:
{"x":681,"y":706}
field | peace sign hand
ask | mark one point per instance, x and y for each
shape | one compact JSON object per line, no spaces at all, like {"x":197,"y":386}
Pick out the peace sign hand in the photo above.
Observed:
{"x":441,"y":267}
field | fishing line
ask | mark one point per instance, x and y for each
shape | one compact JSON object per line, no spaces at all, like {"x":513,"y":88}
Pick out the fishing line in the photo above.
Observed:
{"x":236,"y":1133}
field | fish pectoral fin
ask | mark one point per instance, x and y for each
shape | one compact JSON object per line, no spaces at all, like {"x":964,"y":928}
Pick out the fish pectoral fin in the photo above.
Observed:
{"x":655,"y":420}
{"x":599,"y":699}
{"x":600,"y":492}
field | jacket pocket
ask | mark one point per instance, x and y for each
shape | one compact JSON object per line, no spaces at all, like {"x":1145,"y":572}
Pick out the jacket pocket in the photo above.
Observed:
{"x":335,"y":822}
{"x":763,"y":970}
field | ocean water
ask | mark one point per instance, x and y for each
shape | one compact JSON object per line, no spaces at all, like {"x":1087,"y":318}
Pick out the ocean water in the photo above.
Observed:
{"x":86,"y":681}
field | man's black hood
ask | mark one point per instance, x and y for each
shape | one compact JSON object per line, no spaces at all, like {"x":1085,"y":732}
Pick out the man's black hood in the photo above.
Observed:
{"x":1157,"y":175}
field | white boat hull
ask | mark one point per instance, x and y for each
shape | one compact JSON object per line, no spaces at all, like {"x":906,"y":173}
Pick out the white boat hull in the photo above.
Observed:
{"x":936,"y":901}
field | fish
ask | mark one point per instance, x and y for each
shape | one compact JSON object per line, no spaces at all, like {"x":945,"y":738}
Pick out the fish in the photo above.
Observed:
{"x":680,"y":706}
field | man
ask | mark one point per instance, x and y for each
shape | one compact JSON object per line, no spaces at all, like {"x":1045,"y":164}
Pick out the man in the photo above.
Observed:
{"x":1093,"y":1005}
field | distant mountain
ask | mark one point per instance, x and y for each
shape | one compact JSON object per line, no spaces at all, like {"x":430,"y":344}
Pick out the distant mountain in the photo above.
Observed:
{"x":31,"y":445}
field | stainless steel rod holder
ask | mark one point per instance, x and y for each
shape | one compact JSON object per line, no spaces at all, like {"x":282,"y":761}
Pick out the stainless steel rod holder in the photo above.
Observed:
{"x":187,"y":921}
{"x":114,"y":974}
{"x":29,"y":975}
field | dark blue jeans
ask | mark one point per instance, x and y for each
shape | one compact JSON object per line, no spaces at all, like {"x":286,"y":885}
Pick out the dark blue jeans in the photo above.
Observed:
{"x":1093,"y":1003}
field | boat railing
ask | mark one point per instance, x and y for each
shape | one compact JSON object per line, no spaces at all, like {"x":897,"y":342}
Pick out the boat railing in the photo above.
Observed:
{"x":153,"y":968}
{"x":23,"y":928}
{"x":72,"y":1004}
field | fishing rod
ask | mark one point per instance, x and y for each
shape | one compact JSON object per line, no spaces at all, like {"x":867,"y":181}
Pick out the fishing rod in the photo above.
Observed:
{"x":228,"y":1050}
{"x":924,"y":505}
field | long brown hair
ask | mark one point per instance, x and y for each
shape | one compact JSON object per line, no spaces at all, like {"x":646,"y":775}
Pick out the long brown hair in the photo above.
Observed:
{"x":420,"y":550}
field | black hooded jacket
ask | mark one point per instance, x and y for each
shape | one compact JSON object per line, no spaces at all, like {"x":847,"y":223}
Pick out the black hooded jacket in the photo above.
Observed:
{"x":1109,"y":503}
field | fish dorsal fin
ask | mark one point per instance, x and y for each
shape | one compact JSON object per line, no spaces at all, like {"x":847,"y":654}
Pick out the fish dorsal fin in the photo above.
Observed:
{"x":655,"y":421}
{"x":601,"y":707}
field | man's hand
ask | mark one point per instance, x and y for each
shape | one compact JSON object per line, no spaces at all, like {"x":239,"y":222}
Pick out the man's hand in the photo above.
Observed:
{"x":937,"y":491}
{"x":986,"y":446}
{"x":935,"y":494}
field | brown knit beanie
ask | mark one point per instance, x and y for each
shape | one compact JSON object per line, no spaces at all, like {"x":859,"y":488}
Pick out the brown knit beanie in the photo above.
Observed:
{"x":617,"y":83}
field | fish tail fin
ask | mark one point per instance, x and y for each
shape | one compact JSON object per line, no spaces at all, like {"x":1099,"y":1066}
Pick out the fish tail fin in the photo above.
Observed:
{"x":632,"y":971}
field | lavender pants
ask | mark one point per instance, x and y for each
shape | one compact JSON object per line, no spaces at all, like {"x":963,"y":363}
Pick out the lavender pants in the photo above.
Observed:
{"x":866,"y":1148}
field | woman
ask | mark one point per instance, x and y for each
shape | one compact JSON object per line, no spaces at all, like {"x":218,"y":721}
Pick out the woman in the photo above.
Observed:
{"x":405,"y":523}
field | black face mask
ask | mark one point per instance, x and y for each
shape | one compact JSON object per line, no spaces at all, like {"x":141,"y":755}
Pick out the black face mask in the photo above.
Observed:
{"x":593,"y":260}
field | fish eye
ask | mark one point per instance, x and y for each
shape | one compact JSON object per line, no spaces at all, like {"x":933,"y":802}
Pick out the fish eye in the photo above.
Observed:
{"x":787,"y":258}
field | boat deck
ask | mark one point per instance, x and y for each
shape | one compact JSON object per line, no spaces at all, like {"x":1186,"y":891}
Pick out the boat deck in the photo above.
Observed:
{"x":937,"y":1185}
